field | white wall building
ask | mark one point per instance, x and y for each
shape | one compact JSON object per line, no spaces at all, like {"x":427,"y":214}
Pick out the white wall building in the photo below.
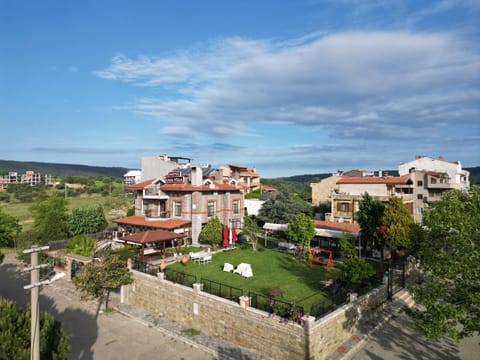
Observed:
{"x":458,"y":178}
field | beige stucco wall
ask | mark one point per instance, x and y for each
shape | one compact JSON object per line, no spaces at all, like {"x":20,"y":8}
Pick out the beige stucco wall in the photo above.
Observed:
{"x":322,"y":190}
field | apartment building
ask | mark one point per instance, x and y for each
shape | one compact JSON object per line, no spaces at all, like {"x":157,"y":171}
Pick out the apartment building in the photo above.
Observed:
{"x":345,"y":201}
{"x":132,"y":177}
{"x":30,"y":177}
{"x":247,"y":178}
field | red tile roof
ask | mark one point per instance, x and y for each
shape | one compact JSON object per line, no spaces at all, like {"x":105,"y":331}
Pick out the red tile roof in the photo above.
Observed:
{"x":167,"y":224}
{"x":140,"y":185}
{"x":353,"y":228}
{"x":152,"y":236}
{"x":392,"y":180}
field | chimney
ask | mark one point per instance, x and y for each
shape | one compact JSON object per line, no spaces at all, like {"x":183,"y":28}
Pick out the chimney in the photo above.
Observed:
{"x":197,"y":176}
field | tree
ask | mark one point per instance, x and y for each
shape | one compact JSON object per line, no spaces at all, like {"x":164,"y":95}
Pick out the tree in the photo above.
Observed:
{"x":369,"y":217}
{"x":87,"y":220}
{"x":449,"y":257}
{"x":15,"y":334}
{"x":81,"y":245}
{"x":301,"y":230}
{"x":354,"y":271}
{"x":98,"y":278}
{"x":212,"y":233}
{"x":347,"y":244}
{"x":9,"y":229}
{"x":250,"y":230}
{"x":50,"y":219}
{"x":396,"y":227}
{"x":281,"y":207}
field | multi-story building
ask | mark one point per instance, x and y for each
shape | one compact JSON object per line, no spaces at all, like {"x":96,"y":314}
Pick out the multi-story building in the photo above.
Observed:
{"x":183,"y":201}
{"x":458,"y":178}
{"x":247,"y":178}
{"x":160,"y":165}
{"x":431,"y":178}
{"x":29,"y":177}
{"x":351,"y":190}
{"x":132,"y":177}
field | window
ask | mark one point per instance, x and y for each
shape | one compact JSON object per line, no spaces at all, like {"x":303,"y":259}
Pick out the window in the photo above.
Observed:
{"x":419,"y":183}
{"x":343,"y":206}
{"x":178,"y":208}
{"x":419,"y":196}
{"x":211,"y":208}
{"x":433,"y":180}
{"x":236,"y":207}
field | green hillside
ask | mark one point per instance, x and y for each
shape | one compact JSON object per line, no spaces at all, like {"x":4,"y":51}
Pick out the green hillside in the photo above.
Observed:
{"x":61,"y":169}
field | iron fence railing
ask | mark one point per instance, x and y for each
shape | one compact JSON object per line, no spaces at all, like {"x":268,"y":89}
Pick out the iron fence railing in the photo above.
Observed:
{"x":180,"y":277}
{"x":222,"y":290}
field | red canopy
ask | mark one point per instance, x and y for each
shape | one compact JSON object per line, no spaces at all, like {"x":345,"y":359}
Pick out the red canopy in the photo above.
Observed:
{"x":225,"y":236}
{"x":234,"y":234}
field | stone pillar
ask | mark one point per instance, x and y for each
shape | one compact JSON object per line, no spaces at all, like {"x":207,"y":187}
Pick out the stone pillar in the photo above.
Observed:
{"x":197,"y":288}
{"x":68,"y":269}
{"x":353,"y":297}
{"x":124,"y":290}
{"x":244,"y":302}
{"x":161,"y":276}
{"x":129,"y":263}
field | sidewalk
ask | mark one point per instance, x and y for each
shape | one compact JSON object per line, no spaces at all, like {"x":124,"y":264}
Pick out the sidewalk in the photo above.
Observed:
{"x":368,"y":327}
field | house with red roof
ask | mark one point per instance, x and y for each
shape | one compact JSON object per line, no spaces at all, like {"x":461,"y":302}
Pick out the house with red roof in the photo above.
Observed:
{"x":246,"y":178}
{"x":183,"y":201}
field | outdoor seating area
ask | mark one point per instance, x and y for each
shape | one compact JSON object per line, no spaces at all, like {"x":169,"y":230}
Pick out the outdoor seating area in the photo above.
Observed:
{"x":202,"y":257}
{"x":286,"y":246}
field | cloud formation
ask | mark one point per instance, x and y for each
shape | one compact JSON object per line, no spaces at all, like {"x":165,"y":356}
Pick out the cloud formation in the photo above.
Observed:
{"x":350,"y":86}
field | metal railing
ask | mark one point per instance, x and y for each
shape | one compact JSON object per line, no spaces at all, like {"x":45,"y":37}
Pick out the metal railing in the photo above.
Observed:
{"x":180,"y":277}
{"x":222,"y":290}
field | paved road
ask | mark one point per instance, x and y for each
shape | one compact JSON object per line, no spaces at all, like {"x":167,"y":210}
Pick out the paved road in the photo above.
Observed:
{"x":95,"y":335}
{"x":398,"y":340}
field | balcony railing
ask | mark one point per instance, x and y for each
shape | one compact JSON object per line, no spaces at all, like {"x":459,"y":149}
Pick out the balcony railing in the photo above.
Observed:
{"x":154,"y":215}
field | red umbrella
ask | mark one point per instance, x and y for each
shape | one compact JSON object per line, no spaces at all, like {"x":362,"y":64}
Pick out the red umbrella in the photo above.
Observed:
{"x":234,"y":234}
{"x":225,"y":236}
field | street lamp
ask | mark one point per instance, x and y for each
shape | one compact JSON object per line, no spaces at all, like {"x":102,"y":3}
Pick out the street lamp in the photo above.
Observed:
{"x":35,"y":283}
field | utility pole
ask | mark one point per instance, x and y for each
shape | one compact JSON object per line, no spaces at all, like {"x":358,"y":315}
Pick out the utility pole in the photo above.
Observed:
{"x":35,"y":283}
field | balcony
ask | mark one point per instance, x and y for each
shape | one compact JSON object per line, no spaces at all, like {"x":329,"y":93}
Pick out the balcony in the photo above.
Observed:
{"x":153,"y":215}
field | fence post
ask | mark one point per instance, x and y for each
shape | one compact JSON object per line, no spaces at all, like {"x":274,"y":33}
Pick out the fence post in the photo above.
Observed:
{"x":197,"y":288}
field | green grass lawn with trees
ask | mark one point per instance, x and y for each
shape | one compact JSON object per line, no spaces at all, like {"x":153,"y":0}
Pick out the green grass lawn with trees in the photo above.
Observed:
{"x":298,"y":281}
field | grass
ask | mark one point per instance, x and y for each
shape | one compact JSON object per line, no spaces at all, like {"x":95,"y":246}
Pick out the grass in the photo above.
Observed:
{"x":298,"y":281}
{"x":22,"y":210}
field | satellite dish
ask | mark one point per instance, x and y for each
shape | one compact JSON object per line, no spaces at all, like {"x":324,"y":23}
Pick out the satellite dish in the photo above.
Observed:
{"x":341,"y":220}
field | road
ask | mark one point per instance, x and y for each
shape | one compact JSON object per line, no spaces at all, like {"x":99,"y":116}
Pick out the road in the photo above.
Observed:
{"x":93,"y":334}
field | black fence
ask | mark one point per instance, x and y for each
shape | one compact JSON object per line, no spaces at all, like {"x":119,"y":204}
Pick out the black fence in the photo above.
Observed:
{"x":334,"y":301}
{"x":285,"y":310}
{"x":180,"y":277}
{"x":145,"y":267}
{"x":222,"y":290}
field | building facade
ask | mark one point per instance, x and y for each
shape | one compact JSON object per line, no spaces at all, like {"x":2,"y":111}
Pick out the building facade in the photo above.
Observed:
{"x":247,"y":178}
{"x":186,"y":197}
{"x":30,"y":177}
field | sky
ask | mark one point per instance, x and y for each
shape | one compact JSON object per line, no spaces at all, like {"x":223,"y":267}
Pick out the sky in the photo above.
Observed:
{"x":288,"y":87}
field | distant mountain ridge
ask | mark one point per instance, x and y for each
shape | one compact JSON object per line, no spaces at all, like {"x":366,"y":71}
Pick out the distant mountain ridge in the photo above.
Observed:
{"x":61,"y":169}
{"x":118,"y":172}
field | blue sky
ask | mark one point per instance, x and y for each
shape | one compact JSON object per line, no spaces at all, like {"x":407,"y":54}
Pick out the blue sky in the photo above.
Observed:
{"x":289,"y":87}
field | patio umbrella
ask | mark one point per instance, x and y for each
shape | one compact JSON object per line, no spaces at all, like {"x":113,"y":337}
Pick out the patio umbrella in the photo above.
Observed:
{"x":234,"y":234}
{"x":225,"y":236}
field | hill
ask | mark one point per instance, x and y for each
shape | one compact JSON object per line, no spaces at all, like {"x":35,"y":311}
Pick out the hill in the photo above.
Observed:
{"x":61,"y":169}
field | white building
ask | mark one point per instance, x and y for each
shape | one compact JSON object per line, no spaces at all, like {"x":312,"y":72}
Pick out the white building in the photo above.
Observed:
{"x":457,"y":177}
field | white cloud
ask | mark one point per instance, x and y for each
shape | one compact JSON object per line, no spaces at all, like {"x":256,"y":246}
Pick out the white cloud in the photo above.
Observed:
{"x":379,"y":85}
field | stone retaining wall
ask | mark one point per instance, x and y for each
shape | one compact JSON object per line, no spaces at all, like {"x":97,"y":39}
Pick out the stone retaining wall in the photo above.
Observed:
{"x":248,"y":327}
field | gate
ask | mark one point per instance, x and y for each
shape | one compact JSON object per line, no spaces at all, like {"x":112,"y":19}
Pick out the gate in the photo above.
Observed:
{"x":396,"y":277}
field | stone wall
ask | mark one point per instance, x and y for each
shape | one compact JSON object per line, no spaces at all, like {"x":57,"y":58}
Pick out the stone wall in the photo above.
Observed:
{"x":214,"y":316}
{"x":328,"y":333}
{"x":248,"y":327}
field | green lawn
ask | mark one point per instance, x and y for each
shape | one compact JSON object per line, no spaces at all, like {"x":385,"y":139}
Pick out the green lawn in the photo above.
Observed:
{"x":298,"y":281}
